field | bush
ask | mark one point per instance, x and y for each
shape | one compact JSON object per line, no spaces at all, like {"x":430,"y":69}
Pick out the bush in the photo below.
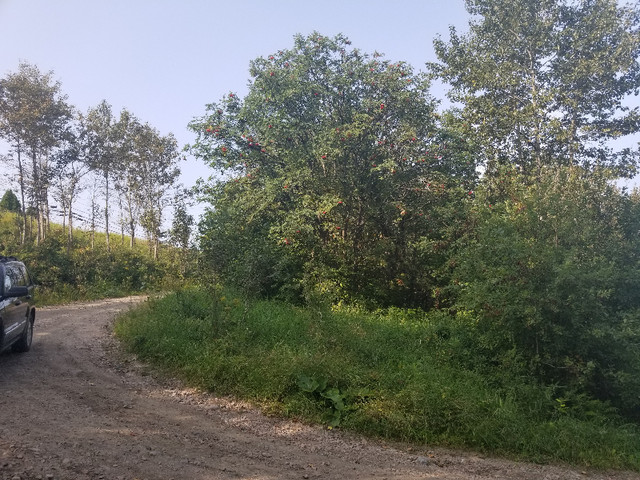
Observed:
{"x":551,"y":278}
{"x":84,"y":273}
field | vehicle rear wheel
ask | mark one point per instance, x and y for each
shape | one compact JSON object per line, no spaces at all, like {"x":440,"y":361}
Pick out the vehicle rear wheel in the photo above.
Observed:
{"x":24,"y":344}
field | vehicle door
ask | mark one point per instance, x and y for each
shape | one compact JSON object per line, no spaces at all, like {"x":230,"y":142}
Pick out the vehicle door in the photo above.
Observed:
{"x":15,"y":310}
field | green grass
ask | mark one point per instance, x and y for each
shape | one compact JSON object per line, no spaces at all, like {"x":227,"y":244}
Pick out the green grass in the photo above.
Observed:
{"x":400,"y":375}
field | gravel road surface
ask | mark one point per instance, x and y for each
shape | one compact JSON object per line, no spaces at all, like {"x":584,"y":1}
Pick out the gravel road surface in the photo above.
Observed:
{"x":77,"y":407}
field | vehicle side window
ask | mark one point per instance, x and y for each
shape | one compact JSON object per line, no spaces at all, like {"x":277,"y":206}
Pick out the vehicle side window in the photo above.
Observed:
{"x":7,"y":282}
{"x":25,"y":274}
{"x":16,"y":276}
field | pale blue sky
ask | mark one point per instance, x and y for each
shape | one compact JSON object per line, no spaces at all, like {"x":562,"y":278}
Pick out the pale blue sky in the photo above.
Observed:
{"x":164,"y":60}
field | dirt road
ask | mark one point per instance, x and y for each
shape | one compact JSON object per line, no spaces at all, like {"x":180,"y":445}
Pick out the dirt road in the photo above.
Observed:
{"x":76,"y":407}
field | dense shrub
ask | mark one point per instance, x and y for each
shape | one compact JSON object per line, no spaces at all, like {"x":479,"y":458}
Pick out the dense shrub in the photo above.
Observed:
{"x":550,"y":277}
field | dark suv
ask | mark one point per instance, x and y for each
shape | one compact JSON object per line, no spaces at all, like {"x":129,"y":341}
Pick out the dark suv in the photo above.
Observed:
{"x":17,"y":313}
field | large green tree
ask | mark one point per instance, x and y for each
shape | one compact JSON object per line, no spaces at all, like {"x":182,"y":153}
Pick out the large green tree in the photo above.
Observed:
{"x":182,"y":223}
{"x":336,"y":176}
{"x":33,"y":118}
{"x":103,"y":138}
{"x":545,"y":82}
{"x":145,"y":174}
{"x":157,"y":172}
{"x":126,"y":174}
{"x":72,"y":164}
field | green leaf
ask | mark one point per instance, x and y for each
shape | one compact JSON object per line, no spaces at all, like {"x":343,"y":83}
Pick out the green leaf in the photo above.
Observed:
{"x":307,"y":384}
{"x":335,"y":396}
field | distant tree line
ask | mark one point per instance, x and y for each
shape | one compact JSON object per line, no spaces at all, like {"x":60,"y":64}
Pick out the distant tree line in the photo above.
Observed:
{"x":57,"y":153}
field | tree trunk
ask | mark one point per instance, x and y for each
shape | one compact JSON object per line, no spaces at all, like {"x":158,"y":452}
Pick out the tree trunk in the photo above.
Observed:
{"x":23,"y":234}
{"x":36,"y":192}
{"x":44,"y":182}
{"x":93,"y":233}
{"x":64,"y":213}
{"x":122,"y":223}
{"x":106,"y":208}
{"x":93,"y":217}
{"x":132,"y":222}
{"x":132,"y":232}
{"x":70,"y":231}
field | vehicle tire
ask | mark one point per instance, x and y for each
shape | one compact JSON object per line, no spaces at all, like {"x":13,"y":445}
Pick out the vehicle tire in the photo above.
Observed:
{"x":24,"y":344}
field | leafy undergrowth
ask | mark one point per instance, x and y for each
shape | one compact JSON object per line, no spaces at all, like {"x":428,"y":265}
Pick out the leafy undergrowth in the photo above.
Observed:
{"x":402,"y":375}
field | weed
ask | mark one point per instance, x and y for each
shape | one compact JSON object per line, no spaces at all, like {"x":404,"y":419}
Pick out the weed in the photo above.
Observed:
{"x":332,"y":396}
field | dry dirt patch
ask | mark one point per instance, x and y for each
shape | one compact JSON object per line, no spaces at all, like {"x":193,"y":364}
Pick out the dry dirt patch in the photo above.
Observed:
{"x":76,"y":407}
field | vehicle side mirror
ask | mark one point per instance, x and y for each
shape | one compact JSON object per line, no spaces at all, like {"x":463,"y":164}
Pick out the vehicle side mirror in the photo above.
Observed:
{"x":18,"y":291}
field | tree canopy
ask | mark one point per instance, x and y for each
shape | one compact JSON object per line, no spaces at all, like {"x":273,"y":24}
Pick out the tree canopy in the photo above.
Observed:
{"x":545,"y":82}
{"x":33,"y":118}
{"x":54,"y":148}
{"x":336,"y":170}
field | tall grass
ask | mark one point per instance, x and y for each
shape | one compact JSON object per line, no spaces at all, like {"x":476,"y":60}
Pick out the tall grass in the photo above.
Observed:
{"x":402,"y":375}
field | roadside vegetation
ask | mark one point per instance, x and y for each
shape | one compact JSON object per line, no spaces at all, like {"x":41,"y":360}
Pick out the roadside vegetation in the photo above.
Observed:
{"x":89,"y":271}
{"x":394,"y":374}
{"x":466,"y":277}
